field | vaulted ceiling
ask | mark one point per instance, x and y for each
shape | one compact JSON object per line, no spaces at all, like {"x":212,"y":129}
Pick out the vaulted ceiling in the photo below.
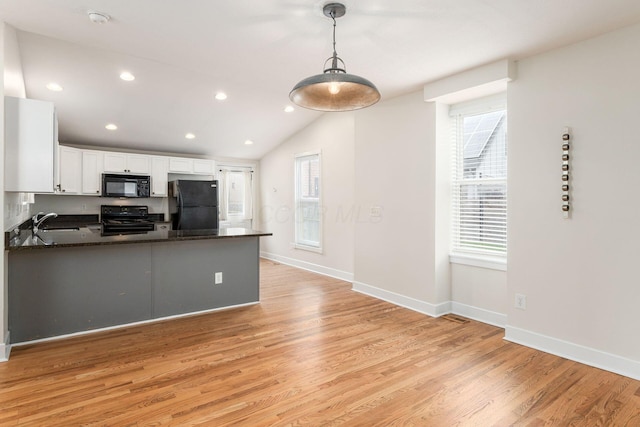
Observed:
{"x":183,"y":52}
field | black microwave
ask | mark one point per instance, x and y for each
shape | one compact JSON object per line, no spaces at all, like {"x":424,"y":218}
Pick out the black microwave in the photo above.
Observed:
{"x":117,"y":185}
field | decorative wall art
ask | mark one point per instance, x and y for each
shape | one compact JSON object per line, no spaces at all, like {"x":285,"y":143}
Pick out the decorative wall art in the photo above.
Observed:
{"x":566,"y":175}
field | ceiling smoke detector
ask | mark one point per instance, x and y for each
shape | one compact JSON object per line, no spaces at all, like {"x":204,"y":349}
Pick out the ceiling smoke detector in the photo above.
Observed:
{"x":98,"y":17}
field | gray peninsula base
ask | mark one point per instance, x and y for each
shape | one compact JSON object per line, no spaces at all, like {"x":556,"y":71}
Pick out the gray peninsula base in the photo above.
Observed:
{"x":75,"y":289}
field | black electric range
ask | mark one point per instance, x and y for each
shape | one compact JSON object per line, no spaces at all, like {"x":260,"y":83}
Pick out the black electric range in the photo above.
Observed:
{"x":125,"y":219}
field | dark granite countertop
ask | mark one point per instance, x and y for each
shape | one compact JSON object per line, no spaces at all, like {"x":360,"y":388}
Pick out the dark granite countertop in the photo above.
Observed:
{"x":86,"y":230}
{"x":91,"y":236}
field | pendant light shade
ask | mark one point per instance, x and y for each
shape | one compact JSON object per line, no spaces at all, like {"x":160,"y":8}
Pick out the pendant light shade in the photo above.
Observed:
{"x":335,"y":89}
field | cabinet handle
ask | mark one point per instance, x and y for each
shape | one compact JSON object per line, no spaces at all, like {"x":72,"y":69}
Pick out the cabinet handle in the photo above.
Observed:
{"x":63,"y":190}
{"x":97,"y":191}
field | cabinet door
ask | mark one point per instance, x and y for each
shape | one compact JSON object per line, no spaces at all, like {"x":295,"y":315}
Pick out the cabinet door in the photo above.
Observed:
{"x":159,"y":176}
{"x":180,"y":165}
{"x":137,"y":163}
{"x":30,"y":145}
{"x":92,"y":168}
{"x":203,"y":166}
{"x":127,"y":163}
{"x":70,"y":170}
{"x":115,"y":162}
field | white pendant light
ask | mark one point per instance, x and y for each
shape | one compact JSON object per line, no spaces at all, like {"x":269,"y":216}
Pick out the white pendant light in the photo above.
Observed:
{"x":334,"y":89}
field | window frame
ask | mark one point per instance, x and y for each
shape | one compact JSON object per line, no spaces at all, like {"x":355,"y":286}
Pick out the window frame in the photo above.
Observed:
{"x":299,"y":242}
{"x":236,"y":220}
{"x":468,"y":256}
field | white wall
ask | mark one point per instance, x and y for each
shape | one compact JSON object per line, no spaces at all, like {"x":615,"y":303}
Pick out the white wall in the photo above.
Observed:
{"x":395,"y":170}
{"x":333,"y":134}
{"x":580,"y":275}
{"x":479,"y":293}
{"x":13,"y":77}
{"x":17,"y":210}
{"x":12,"y":210}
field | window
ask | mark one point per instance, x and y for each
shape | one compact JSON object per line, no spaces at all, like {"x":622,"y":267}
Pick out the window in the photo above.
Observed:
{"x":308,"y":217}
{"x":479,"y":179}
{"x":236,"y":188}
{"x":236,"y":195}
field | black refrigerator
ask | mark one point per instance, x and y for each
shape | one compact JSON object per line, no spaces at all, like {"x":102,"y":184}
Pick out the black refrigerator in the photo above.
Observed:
{"x":197,"y":205}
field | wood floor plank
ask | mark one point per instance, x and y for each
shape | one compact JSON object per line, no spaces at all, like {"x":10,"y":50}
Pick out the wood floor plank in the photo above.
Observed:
{"x":315,"y":353}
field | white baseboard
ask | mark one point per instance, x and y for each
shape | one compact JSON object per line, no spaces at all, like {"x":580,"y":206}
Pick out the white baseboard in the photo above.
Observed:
{"x":588,"y":356}
{"x":315,"y":268}
{"x":479,"y":314}
{"x":5,"y":349}
{"x":128,"y":325}
{"x":433,"y":310}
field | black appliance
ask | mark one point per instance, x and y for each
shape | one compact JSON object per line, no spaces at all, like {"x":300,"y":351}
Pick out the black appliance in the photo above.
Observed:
{"x":197,"y":204}
{"x":118,"y":185}
{"x":125,"y":219}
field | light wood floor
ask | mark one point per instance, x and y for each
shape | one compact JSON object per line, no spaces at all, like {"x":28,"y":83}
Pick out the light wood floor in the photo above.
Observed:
{"x":312,"y":353}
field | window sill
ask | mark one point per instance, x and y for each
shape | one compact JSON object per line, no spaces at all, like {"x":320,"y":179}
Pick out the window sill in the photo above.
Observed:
{"x":307,"y":248}
{"x":482,"y":261}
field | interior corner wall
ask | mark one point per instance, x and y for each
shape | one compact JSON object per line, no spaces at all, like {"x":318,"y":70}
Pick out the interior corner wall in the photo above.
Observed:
{"x":580,"y":275}
{"x":333,"y":134}
{"x":442,"y":203}
{"x":15,"y":211}
{"x":395,"y":171}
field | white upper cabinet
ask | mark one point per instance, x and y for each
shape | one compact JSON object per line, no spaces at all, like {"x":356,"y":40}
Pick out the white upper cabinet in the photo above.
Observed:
{"x":70,"y":174}
{"x":180,"y":165}
{"x":92,"y":168}
{"x":31,"y":137}
{"x":127,"y":163}
{"x":191,"y":166}
{"x":159,"y":176}
{"x":137,"y":163}
{"x":203,"y":166}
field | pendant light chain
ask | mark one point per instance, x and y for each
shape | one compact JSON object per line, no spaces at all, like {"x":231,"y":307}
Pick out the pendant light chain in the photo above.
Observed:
{"x":333,"y":16}
{"x":334,"y":62}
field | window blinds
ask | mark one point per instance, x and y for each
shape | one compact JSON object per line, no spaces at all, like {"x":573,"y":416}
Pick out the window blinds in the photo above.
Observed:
{"x":479,"y":193}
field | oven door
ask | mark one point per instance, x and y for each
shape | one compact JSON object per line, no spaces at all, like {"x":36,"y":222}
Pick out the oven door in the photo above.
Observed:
{"x":116,"y":226}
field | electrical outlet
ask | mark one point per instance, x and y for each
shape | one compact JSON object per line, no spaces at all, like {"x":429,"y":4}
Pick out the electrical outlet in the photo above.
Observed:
{"x":217,"y":278}
{"x":521,"y":301}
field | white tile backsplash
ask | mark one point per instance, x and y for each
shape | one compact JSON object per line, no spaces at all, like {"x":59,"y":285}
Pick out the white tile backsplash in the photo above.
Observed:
{"x":18,"y":208}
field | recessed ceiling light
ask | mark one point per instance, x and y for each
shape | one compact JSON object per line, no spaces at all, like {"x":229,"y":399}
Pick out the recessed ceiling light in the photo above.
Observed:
{"x":289,"y":109}
{"x":98,"y":17}
{"x":189,"y":136}
{"x":221,"y":96}
{"x":111,"y":126}
{"x":127,"y":76}
{"x":54,"y":87}
{"x":248,"y":142}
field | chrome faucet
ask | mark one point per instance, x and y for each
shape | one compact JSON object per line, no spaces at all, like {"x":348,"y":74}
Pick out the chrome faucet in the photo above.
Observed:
{"x":38,"y":221}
